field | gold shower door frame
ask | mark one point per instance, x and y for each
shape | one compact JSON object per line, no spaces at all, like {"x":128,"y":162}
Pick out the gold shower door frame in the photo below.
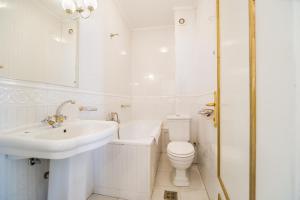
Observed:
{"x":252,"y":106}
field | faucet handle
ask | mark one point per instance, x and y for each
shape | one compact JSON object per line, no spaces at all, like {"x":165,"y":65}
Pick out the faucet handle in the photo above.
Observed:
{"x":60,"y":118}
{"x":46,"y":119}
{"x":49,"y":121}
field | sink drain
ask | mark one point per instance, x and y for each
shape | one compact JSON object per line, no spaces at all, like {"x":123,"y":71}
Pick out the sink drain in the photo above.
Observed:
{"x":170,"y":195}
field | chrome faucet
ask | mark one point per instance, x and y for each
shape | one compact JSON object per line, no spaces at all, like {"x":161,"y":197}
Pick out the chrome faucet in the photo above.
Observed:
{"x":114,"y":116}
{"x":57,"y":119}
{"x":62,"y":105}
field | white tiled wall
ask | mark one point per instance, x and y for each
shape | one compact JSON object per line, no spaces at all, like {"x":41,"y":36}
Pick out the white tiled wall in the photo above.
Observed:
{"x":130,"y":175}
{"x":171,"y":71}
{"x":22,"y":104}
{"x":195,"y":45}
{"x":207,"y":155}
{"x":153,"y":61}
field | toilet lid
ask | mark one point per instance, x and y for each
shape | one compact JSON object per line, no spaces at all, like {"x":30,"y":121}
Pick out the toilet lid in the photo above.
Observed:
{"x":181,"y":148}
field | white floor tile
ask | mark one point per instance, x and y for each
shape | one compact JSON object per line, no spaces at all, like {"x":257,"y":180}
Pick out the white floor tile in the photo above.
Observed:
{"x":195,"y":179}
{"x":194,"y":195}
{"x":158,"y":194}
{"x":164,"y":163}
{"x":163,"y":179}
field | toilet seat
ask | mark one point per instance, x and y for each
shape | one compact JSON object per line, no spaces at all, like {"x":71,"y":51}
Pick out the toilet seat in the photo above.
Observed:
{"x":180,"y":149}
{"x":181,"y":159}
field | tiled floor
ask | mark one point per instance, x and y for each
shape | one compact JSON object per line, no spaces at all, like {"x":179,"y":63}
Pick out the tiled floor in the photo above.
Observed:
{"x":196,"y":191}
{"x":100,"y":197}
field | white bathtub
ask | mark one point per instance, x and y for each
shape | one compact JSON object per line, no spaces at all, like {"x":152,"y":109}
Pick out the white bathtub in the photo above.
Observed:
{"x":126,"y":168}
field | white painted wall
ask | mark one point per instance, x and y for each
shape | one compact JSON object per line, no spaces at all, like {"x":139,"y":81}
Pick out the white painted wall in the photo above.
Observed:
{"x":276,"y":100}
{"x":104,"y":82}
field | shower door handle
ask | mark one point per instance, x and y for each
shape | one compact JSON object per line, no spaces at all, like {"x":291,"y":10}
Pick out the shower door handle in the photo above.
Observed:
{"x":216,"y":109}
{"x":211,"y":104}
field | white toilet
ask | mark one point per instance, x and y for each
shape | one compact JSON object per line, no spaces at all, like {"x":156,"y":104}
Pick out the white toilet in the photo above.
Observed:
{"x":180,"y":152}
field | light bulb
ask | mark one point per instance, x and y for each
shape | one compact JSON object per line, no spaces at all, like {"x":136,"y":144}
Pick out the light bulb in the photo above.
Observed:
{"x":91,"y":4}
{"x":69,"y":6}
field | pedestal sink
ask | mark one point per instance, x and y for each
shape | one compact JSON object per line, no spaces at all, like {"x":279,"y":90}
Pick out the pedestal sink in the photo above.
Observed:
{"x":57,"y":143}
{"x":64,"y":146}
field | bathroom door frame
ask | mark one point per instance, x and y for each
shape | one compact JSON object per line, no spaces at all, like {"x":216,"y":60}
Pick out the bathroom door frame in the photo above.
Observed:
{"x":252,"y":106}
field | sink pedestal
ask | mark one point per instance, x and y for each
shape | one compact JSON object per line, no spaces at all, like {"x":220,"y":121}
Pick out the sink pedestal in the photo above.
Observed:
{"x":71,"y":178}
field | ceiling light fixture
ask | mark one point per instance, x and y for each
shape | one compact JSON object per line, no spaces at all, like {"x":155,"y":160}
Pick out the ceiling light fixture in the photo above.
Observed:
{"x":79,"y":8}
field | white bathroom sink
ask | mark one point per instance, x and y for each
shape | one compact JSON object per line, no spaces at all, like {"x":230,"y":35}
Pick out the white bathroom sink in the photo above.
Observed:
{"x":58,"y":143}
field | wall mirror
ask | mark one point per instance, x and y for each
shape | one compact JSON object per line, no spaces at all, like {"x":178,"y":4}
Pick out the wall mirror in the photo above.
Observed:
{"x":38,"y":42}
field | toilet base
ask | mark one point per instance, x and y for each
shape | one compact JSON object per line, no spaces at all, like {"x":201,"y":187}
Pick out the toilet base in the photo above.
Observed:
{"x":181,"y":178}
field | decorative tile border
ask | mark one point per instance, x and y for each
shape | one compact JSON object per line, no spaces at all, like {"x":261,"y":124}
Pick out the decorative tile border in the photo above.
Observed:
{"x":25,"y":103}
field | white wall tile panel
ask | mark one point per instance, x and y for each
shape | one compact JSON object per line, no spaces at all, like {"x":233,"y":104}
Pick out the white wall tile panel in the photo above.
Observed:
{"x":130,"y":174}
{"x":207,"y":155}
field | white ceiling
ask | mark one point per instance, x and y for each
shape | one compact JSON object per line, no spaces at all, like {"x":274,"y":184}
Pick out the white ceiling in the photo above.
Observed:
{"x":150,"y":13}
